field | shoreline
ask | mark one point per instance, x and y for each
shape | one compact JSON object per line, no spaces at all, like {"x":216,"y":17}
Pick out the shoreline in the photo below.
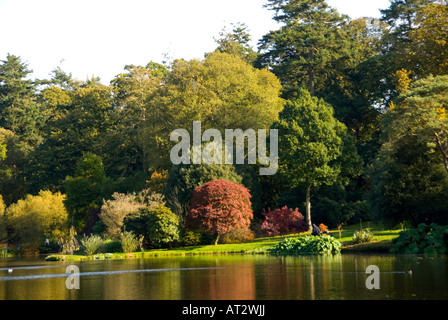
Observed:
{"x":374,"y":247}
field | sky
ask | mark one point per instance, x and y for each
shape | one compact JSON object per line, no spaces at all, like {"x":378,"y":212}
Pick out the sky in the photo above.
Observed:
{"x":99,"y":37}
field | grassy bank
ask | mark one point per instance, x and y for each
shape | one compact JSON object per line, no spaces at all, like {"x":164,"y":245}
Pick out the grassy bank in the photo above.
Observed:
{"x":380,"y":243}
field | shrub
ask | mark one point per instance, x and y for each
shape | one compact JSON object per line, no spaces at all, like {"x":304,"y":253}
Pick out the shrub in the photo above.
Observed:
{"x":238,"y":236}
{"x":112,"y":246}
{"x":218,"y":207}
{"x":92,"y":244}
{"x":157,"y":182}
{"x":308,"y":245}
{"x":283,"y":221}
{"x":70,"y":245}
{"x":362,"y":236}
{"x":323,"y":228}
{"x":191,"y":238}
{"x":129,"y":242}
{"x":162,"y":226}
{"x":115,"y":210}
{"x":430,"y":239}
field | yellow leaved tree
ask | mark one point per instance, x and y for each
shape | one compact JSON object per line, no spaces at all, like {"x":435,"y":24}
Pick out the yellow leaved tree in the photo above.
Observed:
{"x":36,"y":218}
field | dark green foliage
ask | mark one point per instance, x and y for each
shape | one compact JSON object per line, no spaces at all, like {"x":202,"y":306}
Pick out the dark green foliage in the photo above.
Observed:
{"x":77,"y":122}
{"x":158,"y":226}
{"x":314,"y":148}
{"x":137,"y":224}
{"x":409,"y":183}
{"x":304,"y":51}
{"x":84,"y":189}
{"x":18,"y":110}
{"x":190,"y":238}
{"x":20,"y":124}
{"x":430,"y":239}
{"x":409,"y":180}
{"x":237,"y":42}
{"x":335,"y":208}
{"x":99,"y":227}
{"x":112,"y":246}
{"x":308,"y":245}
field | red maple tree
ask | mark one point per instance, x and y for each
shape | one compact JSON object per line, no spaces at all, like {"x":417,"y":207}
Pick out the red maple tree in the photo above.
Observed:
{"x":283,"y":221}
{"x":219,"y":206}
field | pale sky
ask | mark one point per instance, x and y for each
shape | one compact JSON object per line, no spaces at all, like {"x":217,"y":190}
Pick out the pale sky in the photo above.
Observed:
{"x":99,"y":37}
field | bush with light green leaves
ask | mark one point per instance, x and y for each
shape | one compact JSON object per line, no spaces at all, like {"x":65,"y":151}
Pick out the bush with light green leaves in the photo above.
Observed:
{"x":308,"y":245}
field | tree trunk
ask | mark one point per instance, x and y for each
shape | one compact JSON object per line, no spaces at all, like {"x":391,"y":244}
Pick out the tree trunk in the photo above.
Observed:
{"x":308,"y":206}
{"x":144,"y":168}
{"x":216,"y":241}
{"x":311,"y":72}
{"x":311,"y":81}
{"x":442,"y":146}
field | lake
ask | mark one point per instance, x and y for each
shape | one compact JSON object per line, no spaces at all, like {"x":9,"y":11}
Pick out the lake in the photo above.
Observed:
{"x":228,"y":277}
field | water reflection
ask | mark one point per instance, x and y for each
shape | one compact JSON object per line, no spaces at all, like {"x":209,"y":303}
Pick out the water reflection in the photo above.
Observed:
{"x":230,"y":277}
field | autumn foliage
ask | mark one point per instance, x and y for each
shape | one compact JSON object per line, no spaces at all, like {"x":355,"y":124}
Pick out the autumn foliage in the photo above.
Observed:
{"x":218,"y":207}
{"x":323,"y":228}
{"x":283,"y":221}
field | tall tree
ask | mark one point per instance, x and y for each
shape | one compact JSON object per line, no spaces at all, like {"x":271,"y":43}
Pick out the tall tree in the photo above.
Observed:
{"x":215,"y":91}
{"x":20,"y":123}
{"x":18,"y":110}
{"x":311,"y":142}
{"x":304,"y":49}
{"x":409,"y":180}
{"x":401,"y":18}
{"x":429,"y":42}
{"x":237,"y":42}
{"x":125,"y":142}
{"x":401,"y":14}
{"x":421,"y":111}
{"x":77,"y":121}
{"x":218,"y":207}
{"x":83,"y":191}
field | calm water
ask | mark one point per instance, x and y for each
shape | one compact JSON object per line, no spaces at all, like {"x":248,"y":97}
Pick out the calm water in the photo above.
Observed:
{"x":229,"y":277}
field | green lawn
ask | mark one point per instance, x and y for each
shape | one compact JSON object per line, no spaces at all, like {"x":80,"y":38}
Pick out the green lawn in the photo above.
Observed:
{"x":380,"y":243}
{"x":380,"y":234}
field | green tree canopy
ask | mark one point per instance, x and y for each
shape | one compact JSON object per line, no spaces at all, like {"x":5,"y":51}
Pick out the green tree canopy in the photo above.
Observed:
{"x":421,"y":111}
{"x":311,"y":142}
{"x":84,"y":189}
{"x":409,"y":176}
{"x":37,"y":217}
{"x":18,"y":110}
{"x":304,"y":51}
{"x":215,"y":91}
{"x":237,"y":42}
{"x":77,"y":122}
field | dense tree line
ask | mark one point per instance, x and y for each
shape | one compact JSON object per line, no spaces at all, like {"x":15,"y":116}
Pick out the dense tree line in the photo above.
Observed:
{"x":360,"y":105}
